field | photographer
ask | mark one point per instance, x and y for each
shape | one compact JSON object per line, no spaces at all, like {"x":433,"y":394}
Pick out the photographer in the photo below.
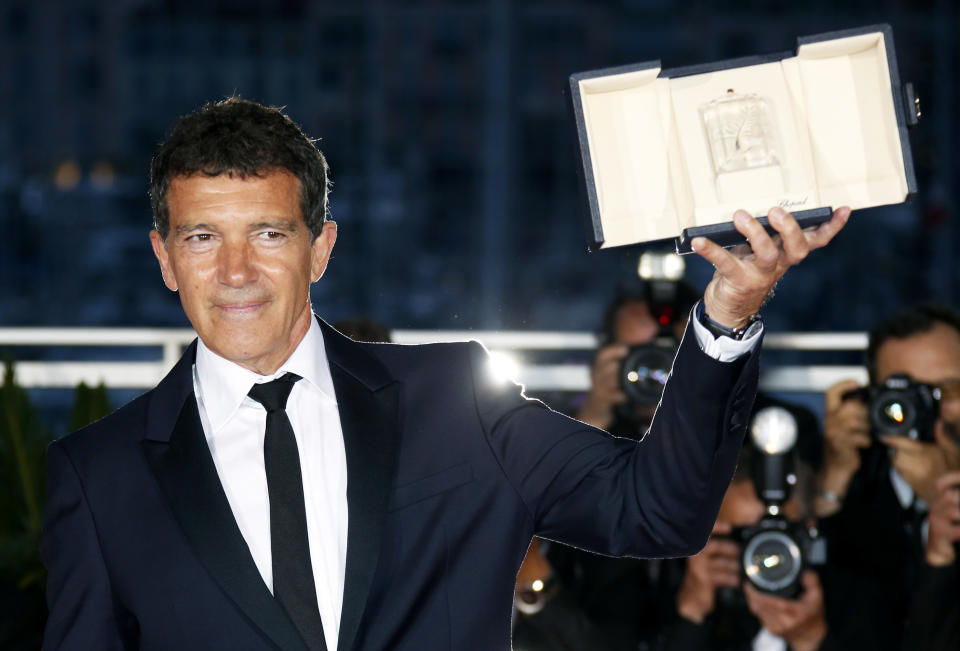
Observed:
{"x":609,"y":603}
{"x":641,"y":313}
{"x":715,"y":608}
{"x":875,"y":487}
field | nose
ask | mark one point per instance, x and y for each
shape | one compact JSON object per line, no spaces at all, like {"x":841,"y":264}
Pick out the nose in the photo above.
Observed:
{"x":235,"y":264}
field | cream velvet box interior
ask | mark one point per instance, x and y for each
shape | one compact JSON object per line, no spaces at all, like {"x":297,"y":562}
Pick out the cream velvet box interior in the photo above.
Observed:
{"x":672,"y":154}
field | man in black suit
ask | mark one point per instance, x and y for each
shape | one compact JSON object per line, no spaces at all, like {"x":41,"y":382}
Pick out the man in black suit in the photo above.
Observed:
{"x":285,"y":487}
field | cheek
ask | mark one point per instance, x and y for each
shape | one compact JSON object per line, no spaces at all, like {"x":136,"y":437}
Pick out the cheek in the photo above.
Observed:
{"x":950,"y":411}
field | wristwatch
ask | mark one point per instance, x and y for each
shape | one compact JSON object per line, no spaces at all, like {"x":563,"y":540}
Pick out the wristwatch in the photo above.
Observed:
{"x":720,"y":330}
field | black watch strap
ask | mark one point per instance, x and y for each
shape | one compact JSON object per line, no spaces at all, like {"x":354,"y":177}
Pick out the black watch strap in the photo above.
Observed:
{"x":720,"y":330}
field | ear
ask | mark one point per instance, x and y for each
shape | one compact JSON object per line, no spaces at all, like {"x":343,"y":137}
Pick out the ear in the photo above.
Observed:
{"x":163,"y":256}
{"x":322,"y":247}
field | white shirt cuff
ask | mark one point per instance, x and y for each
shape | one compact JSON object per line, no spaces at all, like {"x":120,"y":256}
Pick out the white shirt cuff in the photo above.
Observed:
{"x":723,"y":349}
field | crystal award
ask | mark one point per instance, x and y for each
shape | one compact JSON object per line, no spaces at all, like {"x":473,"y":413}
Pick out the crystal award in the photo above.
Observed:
{"x":740,"y":131}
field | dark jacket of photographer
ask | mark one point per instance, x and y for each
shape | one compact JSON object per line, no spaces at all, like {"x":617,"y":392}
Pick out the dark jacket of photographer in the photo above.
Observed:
{"x":875,"y":551}
{"x":730,"y":627}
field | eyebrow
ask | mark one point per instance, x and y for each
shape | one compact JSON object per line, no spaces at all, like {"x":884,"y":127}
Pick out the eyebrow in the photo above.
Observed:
{"x":275,"y":224}
{"x":271,"y":224}
{"x":192,"y":228}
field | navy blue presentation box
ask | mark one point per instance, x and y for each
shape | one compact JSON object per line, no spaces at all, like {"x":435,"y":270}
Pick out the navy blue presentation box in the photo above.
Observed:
{"x":672,"y":154}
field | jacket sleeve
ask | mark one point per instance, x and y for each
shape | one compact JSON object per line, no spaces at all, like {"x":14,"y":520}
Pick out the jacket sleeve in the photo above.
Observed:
{"x":655,"y":498}
{"x":79,"y":595}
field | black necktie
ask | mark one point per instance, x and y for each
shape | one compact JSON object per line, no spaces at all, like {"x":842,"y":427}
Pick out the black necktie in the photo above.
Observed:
{"x":293,"y":583}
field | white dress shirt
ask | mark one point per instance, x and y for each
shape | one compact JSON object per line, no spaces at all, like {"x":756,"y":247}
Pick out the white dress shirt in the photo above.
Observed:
{"x":767,"y":641}
{"x":234,"y":426}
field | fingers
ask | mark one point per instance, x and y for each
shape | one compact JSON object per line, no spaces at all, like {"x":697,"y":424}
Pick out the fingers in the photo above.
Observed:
{"x":612,"y":353}
{"x":794,"y":242}
{"x":812,"y":593}
{"x":722,"y":527}
{"x":745,"y":276}
{"x":847,"y":430}
{"x":766,"y":253}
{"x":904,"y":444}
{"x":946,"y":506}
{"x":718,"y":565}
{"x":775,"y":613}
{"x":833,"y":396}
{"x":721,"y":547}
{"x":723,"y":260}
{"x":946,"y":443}
{"x":606,"y":371}
{"x":826,"y":231}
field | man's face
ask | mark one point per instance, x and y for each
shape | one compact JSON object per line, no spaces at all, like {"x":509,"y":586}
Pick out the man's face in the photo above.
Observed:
{"x":241,"y":256}
{"x":634,"y":324}
{"x":932,"y":357}
{"x":740,"y":507}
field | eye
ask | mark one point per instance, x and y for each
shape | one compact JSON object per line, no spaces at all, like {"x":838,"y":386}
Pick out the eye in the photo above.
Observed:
{"x":272,"y":235}
{"x":200,"y":237}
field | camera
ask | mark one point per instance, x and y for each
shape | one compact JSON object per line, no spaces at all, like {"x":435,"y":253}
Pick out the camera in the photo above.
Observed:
{"x":901,"y":407}
{"x":645,"y":369}
{"x":775,"y":551}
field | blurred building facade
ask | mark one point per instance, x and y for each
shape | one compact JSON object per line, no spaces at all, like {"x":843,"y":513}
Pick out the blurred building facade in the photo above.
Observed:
{"x":452,"y":153}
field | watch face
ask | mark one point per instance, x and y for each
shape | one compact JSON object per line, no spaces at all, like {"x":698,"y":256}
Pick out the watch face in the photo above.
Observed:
{"x":774,"y":430}
{"x":754,"y":328}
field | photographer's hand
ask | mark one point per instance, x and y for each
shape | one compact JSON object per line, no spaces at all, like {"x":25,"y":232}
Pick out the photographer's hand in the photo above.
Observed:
{"x":801,"y":622}
{"x":605,"y":391}
{"x":718,"y":565}
{"x":922,"y":464}
{"x":745,"y":275}
{"x":944,"y":521}
{"x":846,"y":429}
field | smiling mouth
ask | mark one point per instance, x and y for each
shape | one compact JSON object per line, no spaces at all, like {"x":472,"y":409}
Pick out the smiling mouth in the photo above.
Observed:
{"x":238,"y":309}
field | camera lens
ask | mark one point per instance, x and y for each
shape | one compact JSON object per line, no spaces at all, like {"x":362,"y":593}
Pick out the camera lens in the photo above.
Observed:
{"x":771,"y":560}
{"x":644,"y":372}
{"x":894,"y":413}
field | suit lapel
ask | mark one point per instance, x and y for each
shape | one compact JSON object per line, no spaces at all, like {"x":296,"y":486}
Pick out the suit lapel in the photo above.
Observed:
{"x":178,"y":454}
{"x":367,"y":398}
{"x":176,"y":449}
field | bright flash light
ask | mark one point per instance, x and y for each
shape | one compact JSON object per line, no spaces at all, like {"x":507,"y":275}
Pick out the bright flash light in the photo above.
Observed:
{"x":771,"y":561}
{"x":773,"y":509}
{"x":661,"y":266}
{"x":504,"y":366}
{"x":774,"y":430}
{"x":537,"y":585}
{"x":633,"y":376}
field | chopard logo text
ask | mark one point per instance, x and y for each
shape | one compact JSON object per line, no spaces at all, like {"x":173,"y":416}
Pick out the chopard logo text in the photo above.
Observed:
{"x":787,"y":203}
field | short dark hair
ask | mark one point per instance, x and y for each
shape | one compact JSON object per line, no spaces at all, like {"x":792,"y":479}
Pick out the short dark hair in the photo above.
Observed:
{"x":242,"y":138}
{"x":905,"y":323}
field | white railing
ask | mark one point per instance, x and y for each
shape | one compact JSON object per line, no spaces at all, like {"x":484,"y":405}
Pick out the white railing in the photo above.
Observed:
{"x":537,"y":377}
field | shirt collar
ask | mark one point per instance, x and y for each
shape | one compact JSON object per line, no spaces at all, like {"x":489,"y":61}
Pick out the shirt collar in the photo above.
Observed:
{"x":225,"y":384}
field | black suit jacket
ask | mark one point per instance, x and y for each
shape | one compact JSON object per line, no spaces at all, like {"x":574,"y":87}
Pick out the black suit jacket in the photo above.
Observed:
{"x":449,"y":476}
